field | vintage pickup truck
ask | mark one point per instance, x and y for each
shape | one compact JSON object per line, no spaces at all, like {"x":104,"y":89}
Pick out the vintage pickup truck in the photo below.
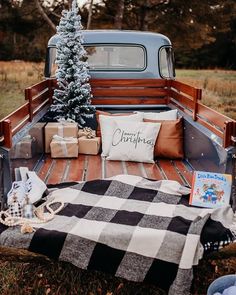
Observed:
{"x":129,"y":71}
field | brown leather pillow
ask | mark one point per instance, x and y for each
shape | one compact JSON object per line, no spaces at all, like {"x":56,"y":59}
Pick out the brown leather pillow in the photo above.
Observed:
{"x":107,"y":114}
{"x":169,"y":143}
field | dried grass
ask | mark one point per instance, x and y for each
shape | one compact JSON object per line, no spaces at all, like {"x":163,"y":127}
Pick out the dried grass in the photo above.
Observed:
{"x":15,"y":76}
{"x":53,"y":278}
{"x":219,"y":88}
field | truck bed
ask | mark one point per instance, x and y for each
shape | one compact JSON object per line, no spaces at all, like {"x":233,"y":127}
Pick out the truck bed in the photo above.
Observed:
{"x":89,"y":167}
{"x":209,"y":137}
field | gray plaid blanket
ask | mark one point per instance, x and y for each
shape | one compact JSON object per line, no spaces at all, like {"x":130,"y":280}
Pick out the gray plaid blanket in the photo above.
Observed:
{"x":130,"y":227}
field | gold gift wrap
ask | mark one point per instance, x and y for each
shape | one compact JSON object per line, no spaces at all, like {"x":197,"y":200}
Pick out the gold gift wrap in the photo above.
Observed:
{"x":24,"y":149}
{"x":89,"y":146}
{"x":37,"y":132}
{"x":62,"y":129}
{"x":66,"y":147}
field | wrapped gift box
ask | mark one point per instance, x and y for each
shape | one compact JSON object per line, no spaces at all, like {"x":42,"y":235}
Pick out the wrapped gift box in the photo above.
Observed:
{"x":87,"y":132}
{"x":66,"y":147}
{"x":37,"y":132}
{"x":89,"y":146}
{"x":24,"y":149}
{"x":64,"y":129}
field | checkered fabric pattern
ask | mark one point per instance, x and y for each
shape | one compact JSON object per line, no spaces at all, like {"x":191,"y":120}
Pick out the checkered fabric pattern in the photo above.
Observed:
{"x":15,"y":209}
{"x":127,"y":226}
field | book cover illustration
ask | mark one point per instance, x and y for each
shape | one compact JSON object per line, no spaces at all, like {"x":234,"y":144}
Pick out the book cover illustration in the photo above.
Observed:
{"x":210,"y":190}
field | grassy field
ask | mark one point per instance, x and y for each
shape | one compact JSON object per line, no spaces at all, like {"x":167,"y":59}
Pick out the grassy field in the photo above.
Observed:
{"x":14,"y":78}
{"x":219,"y":87}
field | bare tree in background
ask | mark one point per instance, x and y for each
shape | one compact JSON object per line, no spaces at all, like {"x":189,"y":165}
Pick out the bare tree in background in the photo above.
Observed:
{"x":44,"y":15}
{"x":119,"y":15}
{"x":90,"y":12}
{"x":50,"y":11}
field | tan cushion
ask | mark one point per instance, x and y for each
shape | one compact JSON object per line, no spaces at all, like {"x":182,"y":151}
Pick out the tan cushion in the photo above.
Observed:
{"x":169,"y":143}
{"x":107,"y":114}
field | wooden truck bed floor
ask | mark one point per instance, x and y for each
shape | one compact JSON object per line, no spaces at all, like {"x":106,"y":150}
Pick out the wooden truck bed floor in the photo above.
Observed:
{"x":88,"y":167}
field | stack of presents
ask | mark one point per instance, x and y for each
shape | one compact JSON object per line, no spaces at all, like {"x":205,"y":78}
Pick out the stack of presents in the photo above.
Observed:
{"x":61,"y":139}
{"x":139,"y":137}
{"x":64,"y":140}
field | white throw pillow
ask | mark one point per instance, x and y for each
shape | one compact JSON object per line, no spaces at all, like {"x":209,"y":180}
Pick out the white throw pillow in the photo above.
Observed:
{"x":133,"y":141}
{"x":107,"y":124}
{"x":168,"y":115}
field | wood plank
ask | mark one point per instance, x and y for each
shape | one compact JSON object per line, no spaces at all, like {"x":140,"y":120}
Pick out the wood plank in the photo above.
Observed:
{"x":201,"y":121}
{"x":76,"y":169}
{"x":148,"y":92}
{"x":125,"y":101}
{"x":152,"y":171}
{"x":185,"y":171}
{"x":43,"y":105}
{"x":169,"y":170}
{"x":128,"y":82}
{"x":94,"y":167}
{"x":212,"y":116}
{"x":113,"y":168}
{"x":186,"y":101}
{"x":43,"y":172}
{"x":37,"y":88}
{"x":133,"y":168}
{"x":210,"y":127}
{"x":36,"y":102}
{"x":187,"y":89}
{"x":18,"y":115}
{"x":173,"y":104}
{"x":57,"y":172}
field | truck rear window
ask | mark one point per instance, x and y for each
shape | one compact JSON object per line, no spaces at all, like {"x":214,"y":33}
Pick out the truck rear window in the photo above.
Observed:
{"x":116,"y":57}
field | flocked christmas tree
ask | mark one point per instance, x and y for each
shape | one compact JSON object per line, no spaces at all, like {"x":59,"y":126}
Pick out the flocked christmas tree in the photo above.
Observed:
{"x":73,"y":98}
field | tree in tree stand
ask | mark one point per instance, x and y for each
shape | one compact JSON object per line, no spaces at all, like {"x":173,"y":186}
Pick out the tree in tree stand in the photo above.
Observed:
{"x":73,"y":98}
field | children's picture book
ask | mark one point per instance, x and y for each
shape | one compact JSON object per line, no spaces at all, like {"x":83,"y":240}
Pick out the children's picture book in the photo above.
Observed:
{"x":210,"y":190}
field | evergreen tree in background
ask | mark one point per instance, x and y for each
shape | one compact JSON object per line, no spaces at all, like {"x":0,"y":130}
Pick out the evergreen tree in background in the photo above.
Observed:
{"x":73,"y":98}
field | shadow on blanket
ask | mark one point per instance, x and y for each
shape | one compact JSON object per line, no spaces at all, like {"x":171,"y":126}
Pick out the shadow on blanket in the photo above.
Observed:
{"x":131,"y":228}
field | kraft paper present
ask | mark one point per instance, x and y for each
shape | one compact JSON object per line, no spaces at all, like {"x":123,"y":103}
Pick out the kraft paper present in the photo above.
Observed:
{"x":37,"y":132}
{"x":24,"y":149}
{"x":87,"y":132}
{"x":66,"y":147}
{"x":89,"y":146}
{"x":63,"y":129}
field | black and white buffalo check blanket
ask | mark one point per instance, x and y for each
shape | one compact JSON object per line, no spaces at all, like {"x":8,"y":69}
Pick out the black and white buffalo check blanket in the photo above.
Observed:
{"x":128,"y":226}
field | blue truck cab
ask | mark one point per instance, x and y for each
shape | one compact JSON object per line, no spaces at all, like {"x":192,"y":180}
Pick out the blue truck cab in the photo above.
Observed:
{"x":122,"y":54}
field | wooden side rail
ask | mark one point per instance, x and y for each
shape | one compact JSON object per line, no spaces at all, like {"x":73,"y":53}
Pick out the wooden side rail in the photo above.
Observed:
{"x":37,"y":97}
{"x":125,"y":92}
{"x":187,"y":98}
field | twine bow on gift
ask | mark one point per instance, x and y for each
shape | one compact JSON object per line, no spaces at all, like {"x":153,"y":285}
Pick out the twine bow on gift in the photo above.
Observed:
{"x":65,"y":121}
{"x":62,"y":123}
{"x":60,"y":138}
{"x":87,"y":132}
